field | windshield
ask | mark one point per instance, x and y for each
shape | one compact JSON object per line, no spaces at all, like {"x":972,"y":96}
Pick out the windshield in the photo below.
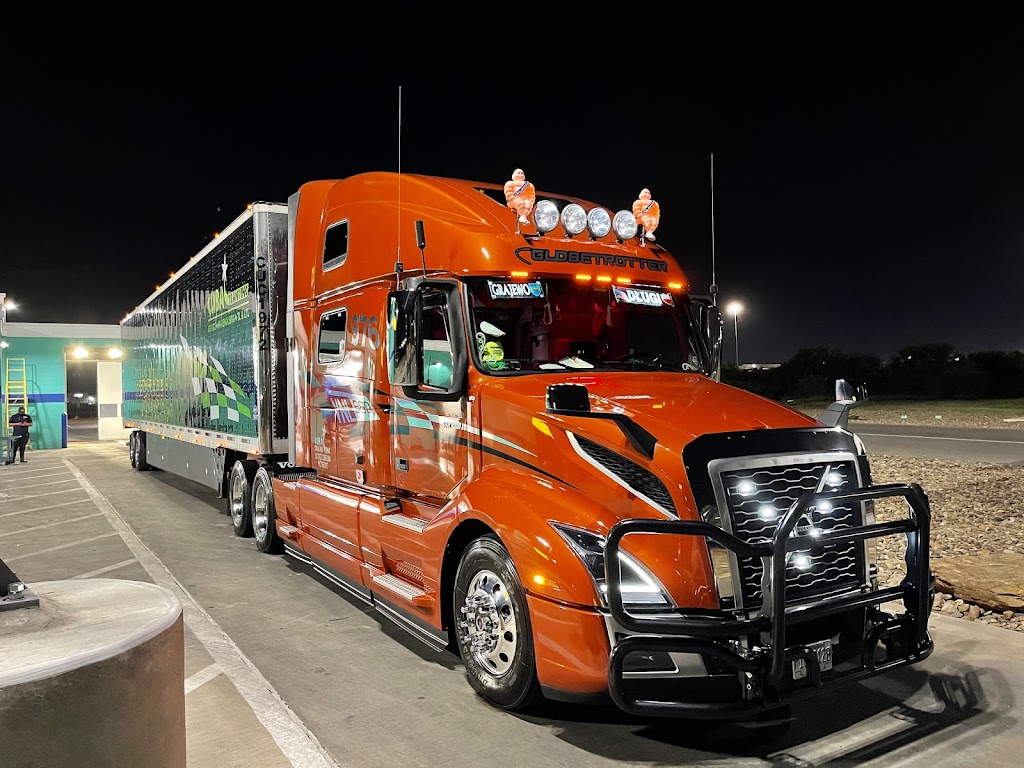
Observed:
{"x":562,"y":324}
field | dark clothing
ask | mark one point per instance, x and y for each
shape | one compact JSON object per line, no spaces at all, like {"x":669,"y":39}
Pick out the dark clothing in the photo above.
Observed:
{"x":17,"y":444}
{"x":20,"y":422}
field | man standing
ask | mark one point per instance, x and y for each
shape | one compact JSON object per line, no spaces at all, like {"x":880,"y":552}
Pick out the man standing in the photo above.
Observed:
{"x":20,"y":422}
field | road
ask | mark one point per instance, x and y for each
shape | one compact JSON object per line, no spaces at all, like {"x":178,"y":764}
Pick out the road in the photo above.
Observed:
{"x":283,"y":671}
{"x":997,"y":446}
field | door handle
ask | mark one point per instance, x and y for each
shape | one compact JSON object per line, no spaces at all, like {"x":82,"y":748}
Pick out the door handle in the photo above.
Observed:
{"x":402,"y":465}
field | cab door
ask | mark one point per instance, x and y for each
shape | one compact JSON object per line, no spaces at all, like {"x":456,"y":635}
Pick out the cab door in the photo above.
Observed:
{"x":429,"y":445}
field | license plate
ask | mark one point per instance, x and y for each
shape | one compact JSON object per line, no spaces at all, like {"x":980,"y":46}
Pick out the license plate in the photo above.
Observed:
{"x":823,"y":651}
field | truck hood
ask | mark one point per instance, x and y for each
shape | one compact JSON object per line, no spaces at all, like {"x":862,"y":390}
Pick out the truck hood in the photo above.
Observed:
{"x":674,"y":407}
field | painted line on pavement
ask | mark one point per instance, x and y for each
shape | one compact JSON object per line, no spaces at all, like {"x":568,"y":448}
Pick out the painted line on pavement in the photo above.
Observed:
{"x":48,"y":493}
{"x":19,"y":479}
{"x":59,"y":547}
{"x":296,"y":741}
{"x":105,"y":569}
{"x":52,"y":482}
{"x":49,"y":525}
{"x":40,"y":509}
{"x":200,"y":677}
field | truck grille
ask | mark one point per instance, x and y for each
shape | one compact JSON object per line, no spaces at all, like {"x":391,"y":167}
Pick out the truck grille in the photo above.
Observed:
{"x":756,"y":499}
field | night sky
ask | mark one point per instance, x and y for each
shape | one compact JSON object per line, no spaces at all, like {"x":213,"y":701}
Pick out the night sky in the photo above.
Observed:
{"x":868,"y":190}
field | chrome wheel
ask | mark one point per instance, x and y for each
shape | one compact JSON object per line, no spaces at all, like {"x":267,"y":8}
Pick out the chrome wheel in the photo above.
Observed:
{"x":260,"y":514}
{"x":237,"y":494}
{"x":488,"y":627}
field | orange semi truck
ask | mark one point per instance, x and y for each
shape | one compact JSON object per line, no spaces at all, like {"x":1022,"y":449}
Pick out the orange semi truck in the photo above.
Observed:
{"x":507,"y":433}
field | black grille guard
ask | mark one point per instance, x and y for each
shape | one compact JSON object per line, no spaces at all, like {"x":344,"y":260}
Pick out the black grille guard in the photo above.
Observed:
{"x":701,"y":634}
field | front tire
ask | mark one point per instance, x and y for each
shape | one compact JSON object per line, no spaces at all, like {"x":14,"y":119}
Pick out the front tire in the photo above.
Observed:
{"x":493,"y":627}
{"x":264,"y":514}
{"x":240,"y":496}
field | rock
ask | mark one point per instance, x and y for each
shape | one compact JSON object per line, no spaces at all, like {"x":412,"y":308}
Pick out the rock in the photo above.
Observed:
{"x":974,"y":613}
{"x":994,"y":581}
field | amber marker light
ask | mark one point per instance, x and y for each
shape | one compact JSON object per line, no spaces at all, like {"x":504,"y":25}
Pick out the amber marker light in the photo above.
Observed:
{"x":584,"y":278}
{"x":623,"y":280}
{"x":543,"y":581}
{"x":604,"y":278}
{"x":675,"y":286}
{"x":520,"y":274}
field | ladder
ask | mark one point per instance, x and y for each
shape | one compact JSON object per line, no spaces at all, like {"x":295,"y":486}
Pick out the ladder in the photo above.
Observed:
{"x":15,"y":388}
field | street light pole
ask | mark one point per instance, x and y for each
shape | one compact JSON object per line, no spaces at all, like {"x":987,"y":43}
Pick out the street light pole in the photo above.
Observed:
{"x":734,"y":308}
{"x":736,"y":334}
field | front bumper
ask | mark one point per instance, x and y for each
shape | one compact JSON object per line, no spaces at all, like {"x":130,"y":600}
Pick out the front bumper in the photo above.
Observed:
{"x":754,"y":647}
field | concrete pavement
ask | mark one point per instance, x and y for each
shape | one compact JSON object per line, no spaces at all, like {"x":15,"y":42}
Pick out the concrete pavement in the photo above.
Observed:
{"x":281,"y":671}
{"x":55,"y":525}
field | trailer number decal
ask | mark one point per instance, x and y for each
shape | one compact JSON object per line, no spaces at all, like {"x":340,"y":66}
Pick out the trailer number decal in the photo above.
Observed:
{"x":365,"y":331}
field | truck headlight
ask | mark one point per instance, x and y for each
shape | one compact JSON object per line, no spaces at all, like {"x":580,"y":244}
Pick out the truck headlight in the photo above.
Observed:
{"x":639,"y":586}
{"x":599,"y":222}
{"x":545,"y":216}
{"x":625,"y":225}
{"x":721,"y":561}
{"x":574,"y":219}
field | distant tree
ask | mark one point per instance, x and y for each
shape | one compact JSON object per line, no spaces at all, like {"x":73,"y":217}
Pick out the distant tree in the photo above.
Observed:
{"x":812,"y":372}
{"x":933,"y":372}
{"x":924,"y":371}
{"x":1004,"y":372}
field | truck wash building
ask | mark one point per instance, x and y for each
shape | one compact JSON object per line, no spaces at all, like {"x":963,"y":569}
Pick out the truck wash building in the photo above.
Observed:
{"x":34,"y":363}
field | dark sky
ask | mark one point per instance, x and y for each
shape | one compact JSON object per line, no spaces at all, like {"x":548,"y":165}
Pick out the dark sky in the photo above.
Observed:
{"x":869,"y":177}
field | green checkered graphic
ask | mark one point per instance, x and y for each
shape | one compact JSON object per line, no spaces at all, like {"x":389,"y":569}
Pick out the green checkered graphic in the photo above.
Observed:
{"x":218,"y":393}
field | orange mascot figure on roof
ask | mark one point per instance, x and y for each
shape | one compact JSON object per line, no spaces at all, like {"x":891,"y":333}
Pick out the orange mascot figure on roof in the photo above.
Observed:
{"x":648,"y":213}
{"x":520,"y":196}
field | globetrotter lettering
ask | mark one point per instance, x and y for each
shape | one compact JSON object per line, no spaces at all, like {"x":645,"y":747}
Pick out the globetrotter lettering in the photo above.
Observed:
{"x":531,"y":290}
{"x":534,"y":255}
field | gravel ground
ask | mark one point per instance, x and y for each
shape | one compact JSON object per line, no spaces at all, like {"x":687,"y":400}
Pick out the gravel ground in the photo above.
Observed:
{"x":874,"y":413}
{"x":975,"y":510}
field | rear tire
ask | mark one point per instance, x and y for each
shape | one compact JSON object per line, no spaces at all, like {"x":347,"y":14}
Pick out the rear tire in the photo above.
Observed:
{"x":493,"y":627}
{"x":133,"y":448}
{"x":239,"y":502}
{"x":140,"y":463}
{"x":264,"y":514}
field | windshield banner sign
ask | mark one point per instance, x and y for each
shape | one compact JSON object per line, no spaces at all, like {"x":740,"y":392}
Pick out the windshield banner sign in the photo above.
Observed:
{"x":501,"y":290}
{"x":643,"y":297}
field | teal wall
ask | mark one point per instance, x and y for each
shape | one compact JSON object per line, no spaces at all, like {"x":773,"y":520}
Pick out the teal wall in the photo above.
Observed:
{"x":47,"y":382}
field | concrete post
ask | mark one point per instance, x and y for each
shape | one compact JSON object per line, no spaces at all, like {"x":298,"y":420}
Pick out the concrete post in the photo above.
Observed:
{"x":93,"y":677}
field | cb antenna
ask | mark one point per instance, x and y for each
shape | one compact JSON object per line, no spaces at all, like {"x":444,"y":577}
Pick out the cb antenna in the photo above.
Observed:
{"x":398,"y":264}
{"x":714,"y":283}
{"x":420,"y":239}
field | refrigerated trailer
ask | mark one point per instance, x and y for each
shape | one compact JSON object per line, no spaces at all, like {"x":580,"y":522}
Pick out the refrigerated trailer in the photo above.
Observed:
{"x":502,"y":425}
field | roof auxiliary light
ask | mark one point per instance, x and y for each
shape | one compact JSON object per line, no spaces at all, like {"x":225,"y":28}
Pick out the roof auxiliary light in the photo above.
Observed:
{"x":599,"y":222}
{"x":545,"y":216}
{"x":574,"y":219}
{"x":625,"y":225}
